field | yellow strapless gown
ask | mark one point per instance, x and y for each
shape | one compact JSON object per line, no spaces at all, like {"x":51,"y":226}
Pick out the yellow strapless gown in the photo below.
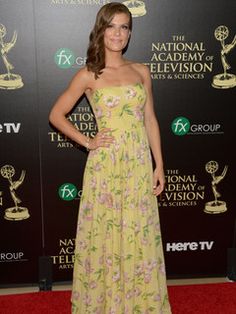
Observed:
{"x":119,"y":265}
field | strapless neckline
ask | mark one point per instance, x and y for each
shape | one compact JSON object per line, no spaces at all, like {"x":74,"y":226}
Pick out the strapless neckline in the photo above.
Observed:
{"x":116,"y":86}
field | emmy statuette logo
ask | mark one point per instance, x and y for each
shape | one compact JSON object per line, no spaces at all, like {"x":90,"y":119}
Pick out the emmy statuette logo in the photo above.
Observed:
{"x":224,"y":80}
{"x":8,"y":80}
{"x":216,"y":206}
{"x":136,"y":7}
{"x":16,"y":212}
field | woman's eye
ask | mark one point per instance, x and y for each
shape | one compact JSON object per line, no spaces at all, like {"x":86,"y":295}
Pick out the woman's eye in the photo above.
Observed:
{"x":125,"y":27}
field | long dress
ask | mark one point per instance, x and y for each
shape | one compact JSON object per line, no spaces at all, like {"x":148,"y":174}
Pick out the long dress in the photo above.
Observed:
{"x":119,"y":265}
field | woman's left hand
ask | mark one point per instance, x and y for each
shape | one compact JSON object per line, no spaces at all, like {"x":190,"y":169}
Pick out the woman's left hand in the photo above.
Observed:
{"x":158,"y":181}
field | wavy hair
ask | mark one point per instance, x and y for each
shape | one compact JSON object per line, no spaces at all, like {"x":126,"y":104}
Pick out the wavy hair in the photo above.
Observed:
{"x":96,"y":51}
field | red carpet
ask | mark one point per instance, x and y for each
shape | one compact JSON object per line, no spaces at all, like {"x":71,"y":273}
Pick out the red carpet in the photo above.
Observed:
{"x":192,"y":299}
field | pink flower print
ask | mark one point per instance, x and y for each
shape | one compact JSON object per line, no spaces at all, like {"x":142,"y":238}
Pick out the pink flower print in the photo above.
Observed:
{"x":157,"y":297}
{"x":134,"y":136}
{"x":127,"y":310}
{"x":87,"y":266}
{"x":157,"y":226}
{"x":98,"y":112}
{"x":138,"y":270}
{"x":126,"y":277}
{"x":117,"y":299}
{"x":106,"y":198}
{"x":109,"y":200}
{"x":87,"y":299}
{"x":144,"y":241}
{"x":162,"y":269}
{"x":93,"y":183}
{"x":140,"y":156}
{"x":123,"y":224}
{"x":150,"y":265}
{"x":76,"y":295}
{"x":93,"y":284}
{"x":82,"y":244}
{"x":86,"y":209}
{"x":117,"y":146}
{"x":132,"y":206}
{"x":113,"y":157}
{"x":129,"y":294}
{"x":111,"y":101}
{"x":150,"y":220}
{"x":147,"y":277}
{"x":116,"y":276}
{"x":112,"y":311}
{"x":138,"y":114}
{"x":137,"y":228}
{"x":130,"y":93}
{"x":101,"y":298}
{"x":98,"y":310}
{"x":126,"y":192}
{"x":104,"y":184}
{"x":143,"y":205}
{"x":154,"y":264}
{"x":79,"y":226}
{"x":97,"y":166}
{"x":109,"y":260}
{"x":129,"y":174}
{"x":137,"y":291}
{"x":109,"y":293}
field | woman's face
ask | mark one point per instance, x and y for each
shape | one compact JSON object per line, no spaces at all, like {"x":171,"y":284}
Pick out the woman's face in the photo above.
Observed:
{"x":117,"y":33}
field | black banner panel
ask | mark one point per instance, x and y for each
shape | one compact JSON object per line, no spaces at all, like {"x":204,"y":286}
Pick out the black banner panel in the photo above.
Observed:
{"x":190,"y":48}
{"x":20,"y":188}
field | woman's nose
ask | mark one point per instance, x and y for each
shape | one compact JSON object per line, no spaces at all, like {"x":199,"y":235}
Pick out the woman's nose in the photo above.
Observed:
{"x":117,"y":31}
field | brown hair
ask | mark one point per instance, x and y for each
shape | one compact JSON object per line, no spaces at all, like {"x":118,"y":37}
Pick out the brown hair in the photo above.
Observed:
{"x":96,"y":52}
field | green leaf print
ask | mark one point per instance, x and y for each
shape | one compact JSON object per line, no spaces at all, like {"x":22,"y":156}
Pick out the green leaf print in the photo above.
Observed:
{"x":109,"y":224}
{"x":137,"y":309}
{"x":99,"y":273}
{"x":128,"y":257}
{"x":157,"y":240}
{"x":130,"y":238}
{"x":97,"y":96}
{"x":126,"y":109}
{"x":145,"y":230}
{"x":147,"y":294}
{"x":151,"y":308}
{"x":117,"y":259}
{"x":78,"y":258}
{"x":93,"y":248}
{"x":103,"y":155}
{"x":140,"y":254}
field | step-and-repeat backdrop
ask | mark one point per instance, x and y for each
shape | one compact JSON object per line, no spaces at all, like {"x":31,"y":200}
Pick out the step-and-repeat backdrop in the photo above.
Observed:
{"x":190,"y":48}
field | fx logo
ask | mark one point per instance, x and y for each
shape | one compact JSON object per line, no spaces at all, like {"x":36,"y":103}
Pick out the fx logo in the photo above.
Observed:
{"x":67,"y":191}
{"x":180,"y":126}
{"x":64,"y":58}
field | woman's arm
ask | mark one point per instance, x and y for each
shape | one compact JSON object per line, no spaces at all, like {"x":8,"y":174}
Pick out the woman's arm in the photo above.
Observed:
{"x":77,"y":87}
{"x":153,"y":133}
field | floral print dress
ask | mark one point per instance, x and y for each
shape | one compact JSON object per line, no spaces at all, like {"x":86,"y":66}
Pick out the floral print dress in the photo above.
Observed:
{"x":119,"y":265}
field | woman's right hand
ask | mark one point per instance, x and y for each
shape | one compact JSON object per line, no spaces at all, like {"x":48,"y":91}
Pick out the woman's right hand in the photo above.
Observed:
{"x":101,"y":139}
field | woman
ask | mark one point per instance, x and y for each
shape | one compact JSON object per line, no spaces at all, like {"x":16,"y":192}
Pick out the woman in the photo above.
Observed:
{"x":119,"y":265}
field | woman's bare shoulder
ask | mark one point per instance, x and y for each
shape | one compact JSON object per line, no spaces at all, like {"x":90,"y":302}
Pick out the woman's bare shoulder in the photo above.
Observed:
{"x":84,"y":78}
{"x":140,"y":67}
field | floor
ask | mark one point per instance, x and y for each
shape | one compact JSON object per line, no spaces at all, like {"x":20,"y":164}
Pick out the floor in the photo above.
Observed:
{"x":67,"y":286}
